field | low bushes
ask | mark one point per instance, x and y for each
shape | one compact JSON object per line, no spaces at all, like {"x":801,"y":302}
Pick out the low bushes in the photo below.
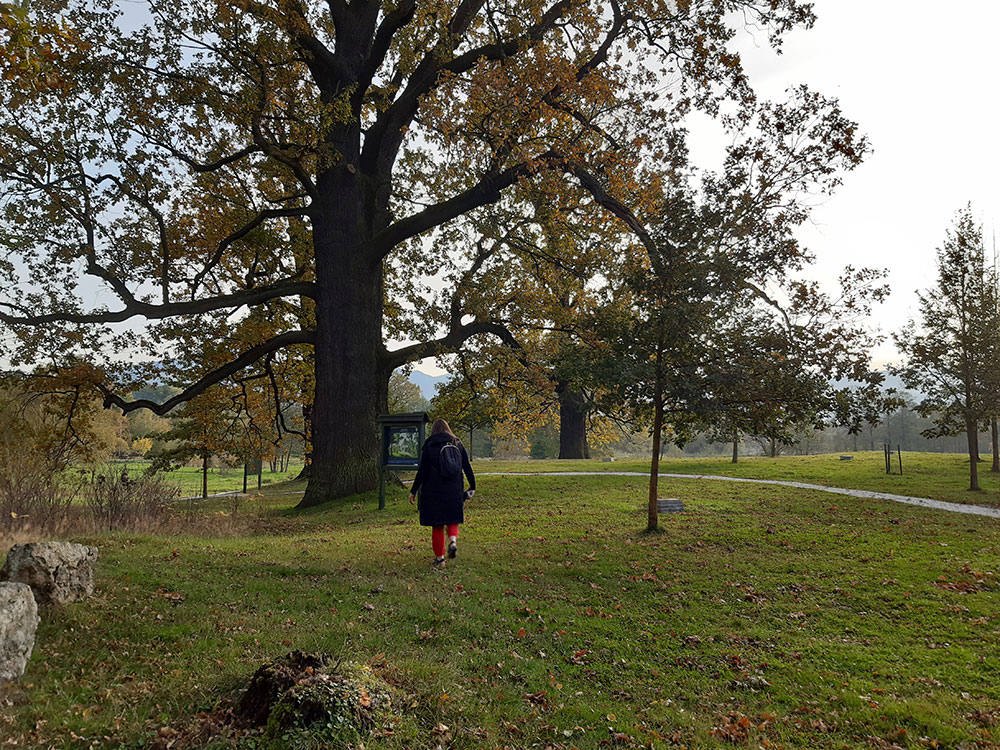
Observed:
{"x":119,"y":502}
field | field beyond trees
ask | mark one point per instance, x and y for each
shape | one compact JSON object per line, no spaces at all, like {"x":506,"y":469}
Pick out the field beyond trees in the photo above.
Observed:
{"x":188,"y":479}
{"x":939,"y":476}
{"x":760,"y":617}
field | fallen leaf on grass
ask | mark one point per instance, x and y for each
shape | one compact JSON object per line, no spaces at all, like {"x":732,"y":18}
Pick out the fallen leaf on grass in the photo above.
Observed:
{"x":174,"y":597}
{"x":539,"y":698}
{"x":734,"y":729}
{"x":577,"y":657}
{"x":752,"y":683}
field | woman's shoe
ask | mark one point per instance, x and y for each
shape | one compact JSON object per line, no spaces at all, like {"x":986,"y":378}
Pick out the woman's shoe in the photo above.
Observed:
{"x":453,"y":549}
{"x":439,"y":563}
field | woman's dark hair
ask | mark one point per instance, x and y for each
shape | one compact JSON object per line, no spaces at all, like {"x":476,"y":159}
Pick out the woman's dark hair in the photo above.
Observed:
{"x":440,"y":426}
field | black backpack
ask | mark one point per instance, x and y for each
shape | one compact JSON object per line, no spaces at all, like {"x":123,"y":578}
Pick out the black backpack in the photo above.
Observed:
{"x":450,"y":461}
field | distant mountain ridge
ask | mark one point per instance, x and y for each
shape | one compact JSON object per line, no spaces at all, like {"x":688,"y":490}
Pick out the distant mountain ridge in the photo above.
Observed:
{"x":428,"y":383}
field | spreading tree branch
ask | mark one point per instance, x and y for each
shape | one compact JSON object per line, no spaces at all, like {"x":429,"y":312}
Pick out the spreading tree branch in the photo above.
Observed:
{"x":134,"y":307}
{"x":226,"y":242}
{"x":215,"y":376}
{"x":391,"y":24}
{"x":450,"y":342}
{"x":486,"y":191}
{"x":385,"y":136}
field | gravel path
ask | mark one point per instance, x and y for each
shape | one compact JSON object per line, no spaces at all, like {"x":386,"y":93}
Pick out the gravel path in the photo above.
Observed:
{"x":231,"y":493}
{"x":972,"y":510}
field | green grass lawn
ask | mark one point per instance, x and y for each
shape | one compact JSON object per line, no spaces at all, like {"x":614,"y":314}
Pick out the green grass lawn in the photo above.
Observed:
{"x":941,"y":476}
{"x":222,"y":479}
{"x":762,"y":617}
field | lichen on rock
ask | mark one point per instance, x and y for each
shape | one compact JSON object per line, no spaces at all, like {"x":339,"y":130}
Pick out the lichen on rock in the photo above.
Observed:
{"x":18,"y":622}
{"x":57,"y":572}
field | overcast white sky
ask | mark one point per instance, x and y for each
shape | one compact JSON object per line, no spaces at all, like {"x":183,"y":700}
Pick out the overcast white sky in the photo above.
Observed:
{"x":920,"y":79}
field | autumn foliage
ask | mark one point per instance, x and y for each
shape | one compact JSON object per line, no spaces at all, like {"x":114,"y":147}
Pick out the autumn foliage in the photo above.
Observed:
{"x":291,"y":182}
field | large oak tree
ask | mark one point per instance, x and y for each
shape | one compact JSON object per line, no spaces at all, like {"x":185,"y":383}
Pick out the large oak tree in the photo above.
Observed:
{"x":299,"y":158}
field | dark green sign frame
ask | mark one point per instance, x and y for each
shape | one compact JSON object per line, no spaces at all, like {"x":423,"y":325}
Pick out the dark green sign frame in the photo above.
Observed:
{"x":403,"y":436}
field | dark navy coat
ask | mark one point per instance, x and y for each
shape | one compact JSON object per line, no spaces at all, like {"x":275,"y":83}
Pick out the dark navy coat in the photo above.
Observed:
{"x":442,"y":500}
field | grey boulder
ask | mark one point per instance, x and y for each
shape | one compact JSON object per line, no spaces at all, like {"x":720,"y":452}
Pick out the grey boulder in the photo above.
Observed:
{"x":57,"y":572}
{"x":18,"y":622}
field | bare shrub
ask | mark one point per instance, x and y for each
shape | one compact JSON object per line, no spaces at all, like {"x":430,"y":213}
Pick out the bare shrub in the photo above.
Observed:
{"x":119,"y":502}
{"x":32,"y":494}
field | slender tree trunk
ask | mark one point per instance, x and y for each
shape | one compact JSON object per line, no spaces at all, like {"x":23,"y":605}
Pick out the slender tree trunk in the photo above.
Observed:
{"x":204,"y":475}
{"x":470,"y":443}
{"x":972,"y":434}
{"x":572,"y":423}
{"x":996,"y":447}
{"x":244,"y":477}
{"x":774,"y":447}
{"x":307,"y":443}
{"x":736,"y":448}
{"x":652,"y":520}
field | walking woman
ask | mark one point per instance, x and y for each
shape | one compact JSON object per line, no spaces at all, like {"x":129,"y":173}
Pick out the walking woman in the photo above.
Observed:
{"x":442,"y":492}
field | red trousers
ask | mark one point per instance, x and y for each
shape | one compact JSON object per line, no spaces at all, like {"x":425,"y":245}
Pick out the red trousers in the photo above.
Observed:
{"x":438,"y":537}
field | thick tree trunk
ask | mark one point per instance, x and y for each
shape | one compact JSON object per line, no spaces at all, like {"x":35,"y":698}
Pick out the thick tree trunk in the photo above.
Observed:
{"x":972,"y":435}
{"x":572,"y":423}
{"x":351,"y":378}
{"x":996,"y":448}
{"x":350,"y":392}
